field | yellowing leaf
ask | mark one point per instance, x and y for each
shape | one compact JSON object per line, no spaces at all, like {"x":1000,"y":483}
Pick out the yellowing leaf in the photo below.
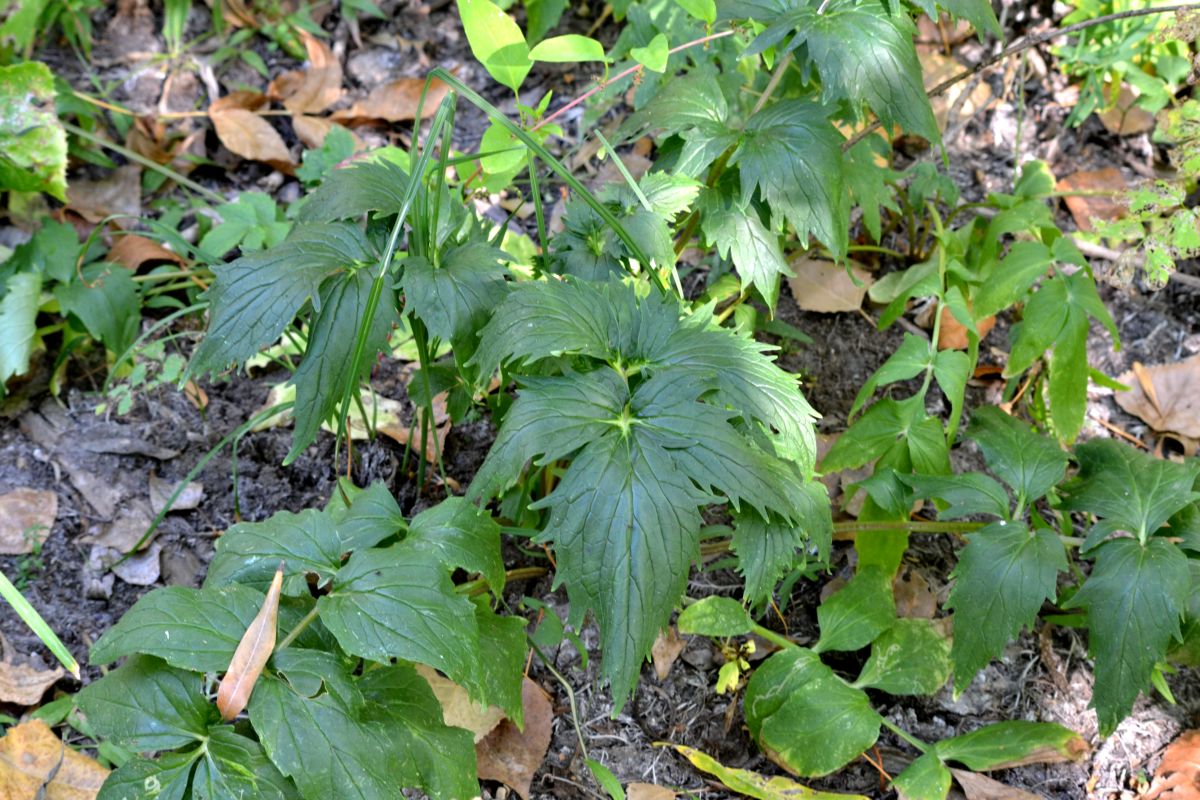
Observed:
{"x":251,"y":655}
{"x":752,"y":784}
{"x":823,"y":286}
{"x":34,"y":763}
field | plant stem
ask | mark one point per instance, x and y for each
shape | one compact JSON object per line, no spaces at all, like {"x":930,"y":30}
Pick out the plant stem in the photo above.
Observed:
{"x":903,"y":734}
{"x":775,"y":638}
{"x":773,"y":83}
{"x":479,"y":585}
{"x":871,"y":248}
{"x":912,"y":526}
{"x":625,"y":74}
{"x":304,"y":622}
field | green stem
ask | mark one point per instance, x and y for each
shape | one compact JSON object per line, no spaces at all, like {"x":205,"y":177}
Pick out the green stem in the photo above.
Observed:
{"x":871,"y":248}
{"x":774,"y":638}
{"x":912,"y":526}
{"x":480,"y":585}
{"x":903,"y":734}
{"x":304,"y":622}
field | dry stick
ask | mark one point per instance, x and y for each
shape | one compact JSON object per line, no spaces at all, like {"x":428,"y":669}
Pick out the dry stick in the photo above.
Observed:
{"x":625,"y":74}
{"x":1023,"y":45}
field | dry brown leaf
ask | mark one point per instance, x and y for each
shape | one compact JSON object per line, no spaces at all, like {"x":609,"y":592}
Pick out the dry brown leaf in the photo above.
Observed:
{"x":30,"y":754}
{"x":402,"y":434}
{"x":1126,"y":119}
{"x":913,"y":595}
{"x":133,"y":251}
{"x":458,"y":709}
{"x":22,"y":684}
{"x":1166,"y":396}
{"x":512,"y":756}
{"x":953,"y":334}
{"x":1178,"y":776}
{"x":394,"y":102}
{"x":981,"y":787}
{"x":245,"y":133}
{"x":26,"y":517}
{"x":1085,"y":208}
{"x":311,"y":131}
{"x":161,"y":491}
{"x":197,"y":396}
{"x":823,"y":286}
{"x":666,"y":650}
{"x":120,"y":192}
{"x":648,"y":791}
{"x":313,"y":89}
{"x":251,"y":655}
{"x":937,"y":68}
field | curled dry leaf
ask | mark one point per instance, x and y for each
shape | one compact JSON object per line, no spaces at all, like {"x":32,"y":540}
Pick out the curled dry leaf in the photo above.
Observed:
{"x":1086,"y":207}
{"x":313,"y":89}
{"x":133,"y":251}
{"x":161,"y":491}
{"x":22,"y":684}
{"x":823,"y":286}
{"x":665,"y":652}
{"x":34,"y":763}
{"x":394,"y":102}
{"x":251,"y":655}
{"x":1178,"y":776}
{"x":26,"y":517}
{"x":458,"y":709}
{"x":119,"y":192}
{"x":511,"y":755}
{"x":247,"y":134}
{"x":981,"y":787}
{"x":1166,"y":396}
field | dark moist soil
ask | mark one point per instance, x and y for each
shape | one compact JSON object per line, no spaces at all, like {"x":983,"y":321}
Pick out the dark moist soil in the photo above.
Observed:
{"x":49,"y":443}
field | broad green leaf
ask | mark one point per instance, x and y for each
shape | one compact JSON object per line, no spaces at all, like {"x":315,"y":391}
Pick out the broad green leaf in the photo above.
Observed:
{"x":106,"y":302}
{"x":1003,"y":576}
{"x":425,"y":752}
{"x":695,"y":108}
{"x":809,"y":719}
{"x":704,"y":10}
{"x":1134,"y":597}
{"x":146,"y":705}
{"x":910,"y":658}
{"x":740,"y":235}
{"x":18,"y":324}
{"x":541,"y":16}
{"x":22,"y":25}
{"x":1010,"y":744}
{"x":322,"y":744}
{"x":507,"y":154}
{"x":752,"y":784}
{"x":886,"y":426}
{"x":654,"y":55}
{"x":1030,"y":464}
{"x":968,"y":493}
{"x":767,"y":549}
{"x":604,"y":776}
{"x":358,"y":188}
{"x":496,"y":41}
{"x":170,"y":773}
{"x":235,"y":766}
{"x":1011,"y":277}
{"x":252,"y":222}
{"x":397,"y":602}
{"x":951,"y":368}
{"x":457,"y":534}
{"x":1067,"y":387}
{"x":193,"y":629}
{"x":568,"y":48}
{"x":669,"y":195}
{"x":924,"y":779}
{"x":254,"y":298}
{"x":867,"y":182}
{"x":715,"y":616}
{"x":793,"y":155}
{"x":854,"y":615}
{"x":33,"y":144}
{"x":1127,"y":489}
{"x":328,"y":357}
{"x":455,"y":298}
{"x":249,"y":552}
{"x":914,"y":356}
{"x":499,"y":666}
{"x":977,"y":12}
{"x":373,"y":516}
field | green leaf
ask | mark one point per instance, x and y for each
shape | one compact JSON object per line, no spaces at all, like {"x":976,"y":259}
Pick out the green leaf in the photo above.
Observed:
{"x":1012,"y":744}
{"x":496,"y":41}
{"x":541,"y":16}
{"x":924,"y":779}
{"x":703,"y":10}
{"x":170,"y":773}
{"x":235,"y":766}
{"x":1134,"y":597}
{"x":329,"y":354}
{"x":1003,"y":576}
{"x":967,"y":493}
{"x":669,"y":195}
{"x":767,"y":549}
{"x":654,"y":55}
{"x":914,"y":356}
{"x":977,"y":12}
{"x":885,"y":426}
{"x":951,"y":368}
{"x":568,"y":48}
{"x":397,"y":602}
{"x":1011,"y":277}
{"x":715,"y":616}
{"x":254,"y":298}
{"x":809,"y":719}
{"x":193,"y":629}
{"x":867,"y":182}
{"x":752,"y":784}
{"x":1029,"y":463}
{"x":252,"y":222}
{"x":147,"y":705}
{"x":455,"y":298}
{"x":739,"y":235}
{"x":18,"y":324}
{"x":358,"y":188}
{"x":854,"y":615}
{"x":608,"y":782}
{"x":910,"y":658}
{"x":106,"y":302}
{"x":33,"y":144}
{"x":793,"y":155}
{"x":695,"y":108}
{"x":1129,"y":490}
{"x":373,"y":516}
{"x":249,"y":552}
{"x":457,"y":534}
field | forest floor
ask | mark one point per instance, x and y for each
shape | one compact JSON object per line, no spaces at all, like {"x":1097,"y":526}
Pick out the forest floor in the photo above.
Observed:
{"x":104,"y":468}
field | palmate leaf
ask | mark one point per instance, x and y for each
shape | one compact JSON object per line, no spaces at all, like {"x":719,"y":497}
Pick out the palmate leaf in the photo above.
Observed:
{"x":977,"y":12}
{"x":1135,"y":598}
{"x":740,"y":235}
{"x":255,"y":297}
{"x":654,"y":432}
{"x":1029,"y":463}
{"x":356,"y":189}
{"x":767,"y":549}
{"x":455,"y":297}
{"x":695,"y":108}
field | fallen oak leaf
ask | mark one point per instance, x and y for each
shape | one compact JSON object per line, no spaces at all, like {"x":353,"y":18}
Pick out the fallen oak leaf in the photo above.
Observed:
{"x":251,"y":654}
{"x":310,"y":90}
{"x":647,"y":791}
{"x":395,"y":101}
{"x":1095,"y":204}
{"x":666,"y":650}
{"x":511,"y":755}
{"x":35,"y":763}
{"x":311,"y":131}
{"x":22,"y":684}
